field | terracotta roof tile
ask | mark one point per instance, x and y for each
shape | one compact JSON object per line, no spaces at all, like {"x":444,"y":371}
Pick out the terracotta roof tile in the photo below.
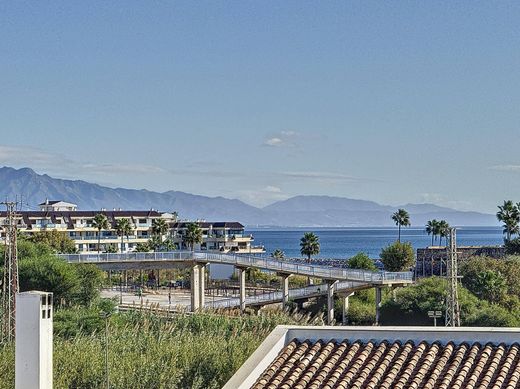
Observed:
{"x":369,"y":365}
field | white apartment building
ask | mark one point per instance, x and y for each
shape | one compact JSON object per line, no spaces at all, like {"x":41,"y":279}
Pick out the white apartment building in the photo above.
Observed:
{"x":78,"y":225}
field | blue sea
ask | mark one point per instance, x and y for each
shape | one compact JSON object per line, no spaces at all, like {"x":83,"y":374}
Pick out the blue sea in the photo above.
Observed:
{"x":346,"y":242}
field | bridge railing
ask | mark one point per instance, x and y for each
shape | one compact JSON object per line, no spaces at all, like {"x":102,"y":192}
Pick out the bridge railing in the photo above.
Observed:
{"x":241,"y":260}
{"x":277,"y":295}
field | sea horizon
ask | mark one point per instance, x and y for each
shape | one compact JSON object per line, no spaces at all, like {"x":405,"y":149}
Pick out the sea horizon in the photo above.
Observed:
{"x":345,"y":242}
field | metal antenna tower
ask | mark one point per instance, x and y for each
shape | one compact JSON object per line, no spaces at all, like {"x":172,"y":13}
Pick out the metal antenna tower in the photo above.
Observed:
{"x":452,"y":300}
{"x":10,"y":277}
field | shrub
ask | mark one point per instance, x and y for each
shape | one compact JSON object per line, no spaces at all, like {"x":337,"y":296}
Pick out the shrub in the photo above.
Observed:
{"x":361,"y":261}
{"x":398,"y":256}
{"x":512,"y":246}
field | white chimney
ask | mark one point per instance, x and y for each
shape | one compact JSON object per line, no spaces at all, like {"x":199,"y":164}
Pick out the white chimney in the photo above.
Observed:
{"x":33,"y":351}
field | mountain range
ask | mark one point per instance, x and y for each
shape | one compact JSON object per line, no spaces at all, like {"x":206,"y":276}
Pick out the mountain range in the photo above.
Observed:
{"x":298,"y":211}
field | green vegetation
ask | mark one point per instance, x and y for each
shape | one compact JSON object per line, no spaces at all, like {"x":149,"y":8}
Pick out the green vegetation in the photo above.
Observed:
{"x":123,"y":228}
{"x":509,"y":214}
{"x":56,"y":241}
{"x":512,"y":246}
{"x":411,"y":306}
{"x":361,"y":261}
{"x":278,"y":254}
{"x":193,"y":235}
{"x":40,"y":269}
{"x":309,"y":245}
{"x":193,"y":351}
{"x":437,"y":228}
{"x":100,"y":222}
{"x":398,"y":256}
{"x":401,"y":218}
{"x":159,"y":228}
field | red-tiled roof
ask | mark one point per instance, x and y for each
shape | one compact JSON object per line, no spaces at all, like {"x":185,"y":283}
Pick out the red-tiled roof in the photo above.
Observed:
{"x":372,"y":364}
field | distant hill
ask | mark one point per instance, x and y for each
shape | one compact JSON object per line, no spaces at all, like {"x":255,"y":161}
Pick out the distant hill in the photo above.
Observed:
{"x":298,"y":211}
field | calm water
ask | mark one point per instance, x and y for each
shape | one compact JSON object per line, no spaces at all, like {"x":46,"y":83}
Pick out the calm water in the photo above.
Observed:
{"x":346,"y":242}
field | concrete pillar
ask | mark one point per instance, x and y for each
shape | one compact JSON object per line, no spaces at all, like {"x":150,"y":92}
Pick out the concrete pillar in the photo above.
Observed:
{"x":285,"y":290}
{"x":242,"y":280}
{"x":195,"y":289}
{"x":110,"y":277}
{"x":330,"y":301}
{"x":344,"y":316}
{"x":202,"y":285}
{"x":158,"y":279}
{"x":378,"y":304}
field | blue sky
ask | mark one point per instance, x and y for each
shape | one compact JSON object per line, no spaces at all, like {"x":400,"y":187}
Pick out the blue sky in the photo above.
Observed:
{"x":389,"y":101}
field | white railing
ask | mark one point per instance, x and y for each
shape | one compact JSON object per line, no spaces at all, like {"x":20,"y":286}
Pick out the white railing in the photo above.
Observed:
{"x":274,"y":297}
{"x":242,"y":260}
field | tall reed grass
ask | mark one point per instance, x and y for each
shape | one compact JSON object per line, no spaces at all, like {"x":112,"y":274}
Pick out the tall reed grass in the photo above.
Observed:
{"x":145,"y":351}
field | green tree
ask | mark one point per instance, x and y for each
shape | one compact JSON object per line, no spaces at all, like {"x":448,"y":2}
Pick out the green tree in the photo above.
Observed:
{"x":509,"y":214}
{"x":49,"y":274}
{"x":278,"y":254}
{"x":123,"y":228}
{"x":100,"y":222}
{"x":57,"y":241}
{"x":443,"y":231}
{"x":401,"y":218}
{"x":432,"y":228}
{"x":159,"y":228}
{"x":309,"y":245}
{"x":361,"y":261}
{"x":412,"y":304}
{"x":142,"y":247}
{"x":491,"y":286}
{"x":90,"y":279}
{"x":512,"y":246}
{"x":398,"y":256}
{"x":193,"y":235}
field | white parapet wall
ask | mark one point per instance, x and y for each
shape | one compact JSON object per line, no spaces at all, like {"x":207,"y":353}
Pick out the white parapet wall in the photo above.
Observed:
{"x":33,"y":355}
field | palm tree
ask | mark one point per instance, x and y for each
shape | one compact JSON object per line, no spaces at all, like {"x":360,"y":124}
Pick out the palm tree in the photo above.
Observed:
{"x":509,"y":214}
{"x":278,"y":254}
{"x":309,"y":245}
{"x":193,"y":235}
{"x":123,"y":228}
{"x":401,"y":218}
{"x":431,"y":228}
{"x":100,"y":222}
{"x":443,"y":230}
{"x":159,"y":228}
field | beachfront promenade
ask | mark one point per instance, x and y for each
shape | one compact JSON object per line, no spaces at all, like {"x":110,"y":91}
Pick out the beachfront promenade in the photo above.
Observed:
{"x":337,"y":280}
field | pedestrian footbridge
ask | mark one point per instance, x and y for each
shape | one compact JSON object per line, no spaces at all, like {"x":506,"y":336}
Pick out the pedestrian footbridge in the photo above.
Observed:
{"x":336,"y":279}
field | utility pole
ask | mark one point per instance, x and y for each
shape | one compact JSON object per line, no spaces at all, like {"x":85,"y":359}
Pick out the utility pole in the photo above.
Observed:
{"x":452,"y":303}
{"x":10,"y":276}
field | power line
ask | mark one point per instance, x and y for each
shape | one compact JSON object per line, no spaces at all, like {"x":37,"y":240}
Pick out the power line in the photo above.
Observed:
{"x":10,"y":285}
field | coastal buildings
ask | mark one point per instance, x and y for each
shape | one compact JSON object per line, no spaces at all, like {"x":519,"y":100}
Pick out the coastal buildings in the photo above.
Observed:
{"x":78,"y":225}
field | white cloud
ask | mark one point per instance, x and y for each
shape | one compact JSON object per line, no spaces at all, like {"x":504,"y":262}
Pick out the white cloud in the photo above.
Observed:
{"x":272,"y":189}
{"x":285,"y":138}
{"x":54,"y":163}
{"x":506,"y":168}
{"x":444,"y":201}
{"x":274,"y":142}
{"x":263,"y":196}
{"x":322,"y":176}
